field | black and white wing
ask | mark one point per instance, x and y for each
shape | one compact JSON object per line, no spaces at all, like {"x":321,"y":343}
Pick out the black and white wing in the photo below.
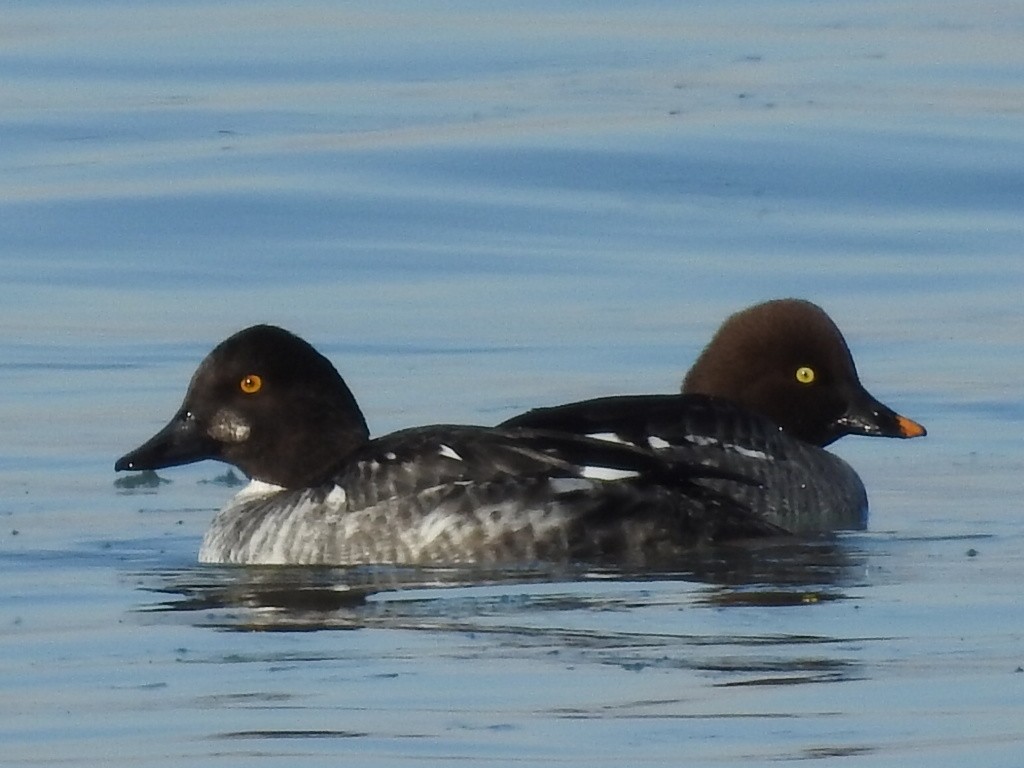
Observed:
{"x":796,"y":485}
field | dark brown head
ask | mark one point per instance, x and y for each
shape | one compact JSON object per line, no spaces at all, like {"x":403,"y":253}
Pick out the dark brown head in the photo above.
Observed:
{"x":787,"y":360}
{"x":267,"y":402}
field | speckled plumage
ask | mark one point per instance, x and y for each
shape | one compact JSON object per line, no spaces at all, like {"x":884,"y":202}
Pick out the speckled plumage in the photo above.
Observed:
{"x":502,"y":521}
{"x":744,"y":410}
{"x":797,"y":486}
{"x":267,"y":402}
{"x":453,"y":494}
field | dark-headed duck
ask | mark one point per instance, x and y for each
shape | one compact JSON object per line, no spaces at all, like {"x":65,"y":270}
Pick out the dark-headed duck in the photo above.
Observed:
{"x":323,"y":492}
{"x":774,"y":386}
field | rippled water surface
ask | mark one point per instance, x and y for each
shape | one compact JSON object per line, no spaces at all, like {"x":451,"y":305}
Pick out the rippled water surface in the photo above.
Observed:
{"x":473,"y":210}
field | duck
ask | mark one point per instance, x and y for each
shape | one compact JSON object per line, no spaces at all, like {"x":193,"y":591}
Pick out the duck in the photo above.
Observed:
{"x":776,"y":384}
{"x":322,"y":492}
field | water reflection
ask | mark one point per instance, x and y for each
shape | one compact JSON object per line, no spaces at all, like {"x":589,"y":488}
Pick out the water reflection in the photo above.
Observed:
{"x":709,"y":618}
{"x":279,"y":598}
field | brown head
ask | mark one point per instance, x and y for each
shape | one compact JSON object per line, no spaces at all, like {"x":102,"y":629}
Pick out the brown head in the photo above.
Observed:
{"x":787,"y":360}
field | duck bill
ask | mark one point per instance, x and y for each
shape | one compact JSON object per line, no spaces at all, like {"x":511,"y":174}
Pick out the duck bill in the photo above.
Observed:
{"x":872,"y":418}
{"x":182,"y":441}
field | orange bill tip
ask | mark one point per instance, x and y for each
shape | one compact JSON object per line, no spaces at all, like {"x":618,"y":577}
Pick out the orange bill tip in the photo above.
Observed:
{"x":910,"y":428}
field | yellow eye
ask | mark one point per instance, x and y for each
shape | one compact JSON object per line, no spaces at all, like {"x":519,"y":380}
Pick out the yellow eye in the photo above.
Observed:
{"x":251,"y":384}
{"x":804,"y":374}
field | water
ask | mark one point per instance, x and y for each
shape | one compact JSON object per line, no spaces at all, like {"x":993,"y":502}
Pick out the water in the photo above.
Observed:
{"x":473,"y":210}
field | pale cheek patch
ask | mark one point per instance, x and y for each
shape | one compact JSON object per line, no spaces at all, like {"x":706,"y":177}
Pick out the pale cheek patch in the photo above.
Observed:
{"x":229,"y":427}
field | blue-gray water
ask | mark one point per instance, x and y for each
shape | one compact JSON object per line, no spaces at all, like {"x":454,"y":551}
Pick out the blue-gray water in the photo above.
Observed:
{"x":473,"y":210}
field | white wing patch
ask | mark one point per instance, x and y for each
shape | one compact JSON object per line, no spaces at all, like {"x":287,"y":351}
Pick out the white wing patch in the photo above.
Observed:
{"x":749,"y":452}
{"x":703,"y":441}
{"x":449,"y":452}
{"x":607,"y":473}
{"x":609,"y":437}
{"x":658,"y":443}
